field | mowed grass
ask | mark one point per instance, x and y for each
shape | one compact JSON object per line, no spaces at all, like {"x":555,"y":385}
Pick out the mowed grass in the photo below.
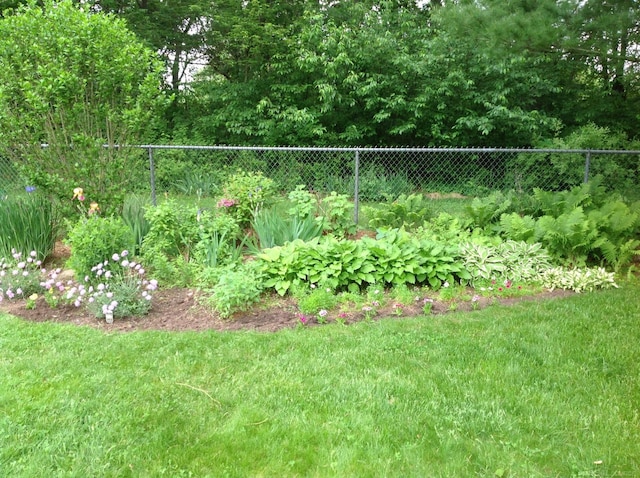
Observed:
{"x":540,"y":389}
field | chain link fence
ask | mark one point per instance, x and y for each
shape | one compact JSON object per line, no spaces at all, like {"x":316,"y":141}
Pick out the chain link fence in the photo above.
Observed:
{"x":374,"y":174}
{"x":10,"y":179}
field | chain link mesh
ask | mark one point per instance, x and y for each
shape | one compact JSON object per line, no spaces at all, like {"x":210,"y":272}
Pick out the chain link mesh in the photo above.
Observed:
{"x":377,"y":174}
{"x":10,"y":179}
{"x":383,"y":174}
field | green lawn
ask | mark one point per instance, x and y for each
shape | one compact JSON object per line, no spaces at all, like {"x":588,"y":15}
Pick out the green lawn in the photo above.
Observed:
{"x":536,"y":390}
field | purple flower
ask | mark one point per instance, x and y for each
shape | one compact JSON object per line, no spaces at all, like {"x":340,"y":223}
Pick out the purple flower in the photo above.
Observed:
{"x":30,"y":189}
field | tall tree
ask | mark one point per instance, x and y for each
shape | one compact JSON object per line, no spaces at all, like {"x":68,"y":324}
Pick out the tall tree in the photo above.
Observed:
{"x":75,"y":81}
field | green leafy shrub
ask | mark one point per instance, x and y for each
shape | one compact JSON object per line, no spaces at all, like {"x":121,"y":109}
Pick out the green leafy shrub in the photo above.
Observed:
{"x":336,"y":212}
{"x":76,"y":80}
{"x":183,"y":239}
{"x":409,"y":211}
{"x":248,"y":192}
{"x":376,"y":184}
{"x":94,"y":239}
{"x":237,"y":289}
{"x":303,"y":202}
{"x":197,"y":183}
{"x":27,"y":223}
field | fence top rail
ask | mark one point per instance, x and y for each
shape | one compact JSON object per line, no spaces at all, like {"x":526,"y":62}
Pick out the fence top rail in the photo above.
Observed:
{"x":390,"y":149}
{"x":354,"y":149}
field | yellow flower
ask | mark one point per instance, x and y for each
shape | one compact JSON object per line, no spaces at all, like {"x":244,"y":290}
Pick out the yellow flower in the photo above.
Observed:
{"x":77,"y":193}
{"x":93,"y":207}
{"x":33,"y":297}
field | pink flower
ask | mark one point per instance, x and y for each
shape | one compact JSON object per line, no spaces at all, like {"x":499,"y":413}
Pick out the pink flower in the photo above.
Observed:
{"x":226,"y":202}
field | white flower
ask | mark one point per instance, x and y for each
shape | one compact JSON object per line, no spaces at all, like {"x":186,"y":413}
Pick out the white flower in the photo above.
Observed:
{"x":115,"y":257}
{"x":124,"y":263}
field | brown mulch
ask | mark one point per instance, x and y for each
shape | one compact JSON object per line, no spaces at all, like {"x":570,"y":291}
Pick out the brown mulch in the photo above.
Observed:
{"x":180,"y":310}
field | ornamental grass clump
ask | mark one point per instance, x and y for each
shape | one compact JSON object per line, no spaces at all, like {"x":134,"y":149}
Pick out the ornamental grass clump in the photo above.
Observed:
{"x":19,"y":275}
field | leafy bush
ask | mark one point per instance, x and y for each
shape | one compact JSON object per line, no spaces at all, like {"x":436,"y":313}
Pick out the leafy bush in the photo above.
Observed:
{"x":237,"y":289}
{"x":560,"y":171}
{"x":249,"y":192}
{"x":336,"y":213}
{"x":27,"y":223}
{"x":376,"y":184}
{"x":93,"y":240}
{"x":182,"y":239}
{"x":408,"y":211}
{"x":303,"y":202}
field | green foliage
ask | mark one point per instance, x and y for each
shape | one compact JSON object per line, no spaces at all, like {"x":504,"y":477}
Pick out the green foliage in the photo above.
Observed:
{"x":336,"y":211}
{"x":577,"y":280}
{"x":250,"y":191}
{"x":485,"y":211}
{"x":182,"y":239}
{"x":195,"y":183}
{"x":315,"y":299}
{"x":133,"y":215}
{"x":94,"y":240}
{"x":273,"y":229}
{"x":376,"y":184}
{"x":27,"y":223}
{"x":406,"y":211}
{"x":173,"y":230}
{"x":559,"y":171}
{"x":237,"y":289}
{"x":76,"y":80}
{"x":510,"y":260}
{"x":577,"y":227}
{"x":517,"y":227}
{"x":303,"y":202}
{"x":393,"y":258}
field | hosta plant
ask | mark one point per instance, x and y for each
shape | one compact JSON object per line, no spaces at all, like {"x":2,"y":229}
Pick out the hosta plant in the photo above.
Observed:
{"x":577,"y":280}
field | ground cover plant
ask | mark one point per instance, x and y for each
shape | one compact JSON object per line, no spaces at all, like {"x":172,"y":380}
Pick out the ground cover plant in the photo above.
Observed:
{"x":538,"y":389}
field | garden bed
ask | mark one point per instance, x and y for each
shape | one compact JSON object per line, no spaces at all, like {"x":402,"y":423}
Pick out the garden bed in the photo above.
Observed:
{"x":177,"y":309}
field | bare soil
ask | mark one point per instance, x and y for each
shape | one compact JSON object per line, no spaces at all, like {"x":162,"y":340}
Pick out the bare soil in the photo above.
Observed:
{"x":180,"y":310}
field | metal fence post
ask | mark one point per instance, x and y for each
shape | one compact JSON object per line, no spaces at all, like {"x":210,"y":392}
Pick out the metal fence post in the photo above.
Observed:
{"x":152,"y":176}
{"x":356,"y":182}
{"x":587,"y":163}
